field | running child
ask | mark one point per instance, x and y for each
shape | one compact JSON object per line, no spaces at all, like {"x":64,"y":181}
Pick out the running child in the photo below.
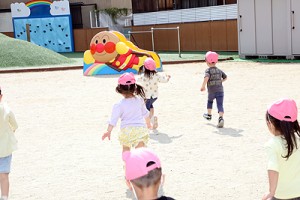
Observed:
{"x":283,"y":151}
{"x":213,"y":78}
{"x":132,"y":112}
{"x":144,"y":174}
{"x":149,"y":80}
{"x":8,"y":144}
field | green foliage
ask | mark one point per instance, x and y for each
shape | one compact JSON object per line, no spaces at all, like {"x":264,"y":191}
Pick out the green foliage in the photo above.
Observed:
{"x":114,"y":13}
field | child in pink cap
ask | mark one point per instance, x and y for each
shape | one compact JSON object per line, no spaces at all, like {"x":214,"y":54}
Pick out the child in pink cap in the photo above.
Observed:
{"x":143,"y":174}
{"x":8,"y":144}
{"x":283,"y":151}
{"x":149,"y":80}
{"x":213,"y":79}
{"x":132,"y":112}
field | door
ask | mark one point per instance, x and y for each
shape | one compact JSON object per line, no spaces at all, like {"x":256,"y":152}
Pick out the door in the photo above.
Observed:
{"x":295,"y":20}
{"x":246,"y":27}
{"x":281,"y":27}
{"x":263,"y":27}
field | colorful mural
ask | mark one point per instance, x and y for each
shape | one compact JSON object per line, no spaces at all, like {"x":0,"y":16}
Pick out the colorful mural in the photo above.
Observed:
{"x":111,"y":53}
{"x":50,"y":24}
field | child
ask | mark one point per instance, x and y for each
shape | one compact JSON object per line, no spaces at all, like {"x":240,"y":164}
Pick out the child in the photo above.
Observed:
{"x":283,"y":151}
{"x":8,"y":142}
{"x":143,"y":174}
{"x":149,"y":80}
{"x":213,"y":79}
{"x":133,"y":113}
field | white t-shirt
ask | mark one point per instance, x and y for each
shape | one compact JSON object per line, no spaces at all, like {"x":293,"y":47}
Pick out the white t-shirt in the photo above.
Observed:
{"x":131,"y":111}
{"x":151,"y":85}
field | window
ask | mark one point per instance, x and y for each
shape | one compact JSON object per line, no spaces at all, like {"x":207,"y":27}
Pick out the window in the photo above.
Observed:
{"x":142,"y":6}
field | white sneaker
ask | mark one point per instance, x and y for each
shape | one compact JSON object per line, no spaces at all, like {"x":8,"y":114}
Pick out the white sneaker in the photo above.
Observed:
{"x":221,"y":122}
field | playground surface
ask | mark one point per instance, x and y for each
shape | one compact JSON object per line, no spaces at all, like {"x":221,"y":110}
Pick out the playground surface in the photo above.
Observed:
{"x":62,"y":116}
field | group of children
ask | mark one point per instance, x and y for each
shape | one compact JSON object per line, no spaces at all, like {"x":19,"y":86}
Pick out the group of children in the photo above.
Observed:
{"x":142,"y":166}
{"x":143,"y":169}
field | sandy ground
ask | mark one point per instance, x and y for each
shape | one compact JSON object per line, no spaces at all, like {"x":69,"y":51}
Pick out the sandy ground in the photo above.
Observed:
{"x":63,"y":114}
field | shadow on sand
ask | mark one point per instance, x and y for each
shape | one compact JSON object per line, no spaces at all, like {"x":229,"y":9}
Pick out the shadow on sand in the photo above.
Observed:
{"x":162,"y":137}
{"x":227,"y":131}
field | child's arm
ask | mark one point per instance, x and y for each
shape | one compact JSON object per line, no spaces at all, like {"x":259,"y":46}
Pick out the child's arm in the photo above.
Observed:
{"x":204,"y":83}
{"x":108,"y":132}
{"x":113,"y":121}
{"x":163,"y":78}
{"x":12,"y":121}
{"x":273,"y":179}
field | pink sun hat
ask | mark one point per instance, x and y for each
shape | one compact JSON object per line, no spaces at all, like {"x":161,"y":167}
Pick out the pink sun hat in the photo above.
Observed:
{"x":284,"y":110}
{"x":211,"y":57}
{"x":137,"y":162}
{"x":126,"y":79}
{"x":150,"y":64}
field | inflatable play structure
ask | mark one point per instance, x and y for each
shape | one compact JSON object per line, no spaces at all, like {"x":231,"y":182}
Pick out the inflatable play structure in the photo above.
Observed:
{"x":111,"y":53}
{"x":46,"y":23}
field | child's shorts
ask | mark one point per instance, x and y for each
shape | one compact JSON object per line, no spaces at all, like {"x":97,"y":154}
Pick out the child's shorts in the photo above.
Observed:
{"x":131,"y":136}
{"x":5,"y":164}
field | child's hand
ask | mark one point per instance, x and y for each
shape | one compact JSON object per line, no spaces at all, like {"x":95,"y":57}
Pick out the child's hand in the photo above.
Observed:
{"x":107,"y":134}
{"x":268,"y":196}
{"x":168,"y":76}
{"x":202,"y":89}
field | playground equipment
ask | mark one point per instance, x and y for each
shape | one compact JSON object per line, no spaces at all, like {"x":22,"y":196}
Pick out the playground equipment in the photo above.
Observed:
{"x":44,"y":23}
{"x":111,"y":53}
{"x":152,"y":36}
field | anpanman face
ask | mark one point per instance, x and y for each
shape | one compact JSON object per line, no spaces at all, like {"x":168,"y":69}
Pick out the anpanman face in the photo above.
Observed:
{"x":103,"y":46}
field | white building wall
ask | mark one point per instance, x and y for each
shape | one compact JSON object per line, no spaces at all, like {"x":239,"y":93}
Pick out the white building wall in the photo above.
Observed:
{"x":211,"y":13}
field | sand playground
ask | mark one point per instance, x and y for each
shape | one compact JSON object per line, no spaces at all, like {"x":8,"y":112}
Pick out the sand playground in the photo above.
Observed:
{"x":62,"y":116}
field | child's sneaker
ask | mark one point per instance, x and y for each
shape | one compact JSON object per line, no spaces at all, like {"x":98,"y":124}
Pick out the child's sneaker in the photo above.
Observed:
{"x":207,"y":116}
{"x":221,"y":122}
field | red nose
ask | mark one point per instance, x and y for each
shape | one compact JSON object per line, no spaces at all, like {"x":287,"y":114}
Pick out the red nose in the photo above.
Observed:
{"x":99,"y":48}
{"x":110,"y":47}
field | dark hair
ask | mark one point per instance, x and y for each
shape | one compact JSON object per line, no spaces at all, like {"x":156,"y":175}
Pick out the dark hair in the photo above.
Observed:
{"x":287,"y":130}
{"x":131,"y":89}
{"x":151,"y":179}
{"x":147,"y":73}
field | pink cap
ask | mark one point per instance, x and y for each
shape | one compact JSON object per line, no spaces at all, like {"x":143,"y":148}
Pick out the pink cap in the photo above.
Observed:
{"x":284,"y":110}
{"x":136,"y":162}
{"x":211,"y":57}
{"x":150,"y":64}
{"x":126,"y":79}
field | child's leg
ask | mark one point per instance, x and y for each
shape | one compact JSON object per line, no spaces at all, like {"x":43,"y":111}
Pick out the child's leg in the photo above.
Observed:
{"x":210,"y":101}
{"x":151,"y":113}
{"x":4,"y":182}
{"x":140,"y":144}
{"x":209,"y":106}
{"x":220,"y":98}
{"x":125,"y":148}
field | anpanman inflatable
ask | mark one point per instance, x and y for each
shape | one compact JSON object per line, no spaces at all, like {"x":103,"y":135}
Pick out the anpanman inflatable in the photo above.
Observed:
{"x":111,"y":53}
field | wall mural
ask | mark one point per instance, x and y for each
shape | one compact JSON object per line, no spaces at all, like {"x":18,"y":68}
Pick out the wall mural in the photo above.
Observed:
{"x":50,"y":24}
